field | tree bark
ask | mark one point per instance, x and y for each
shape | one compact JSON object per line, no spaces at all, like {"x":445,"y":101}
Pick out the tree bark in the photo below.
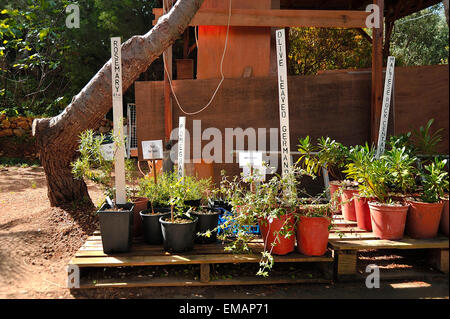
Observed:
{"x":57,"y":138}
{"x":445,"y":2}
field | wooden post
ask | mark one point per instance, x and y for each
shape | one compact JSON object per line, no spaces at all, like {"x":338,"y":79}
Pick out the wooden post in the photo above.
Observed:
{"x":154,"y":171}
{"x":119,"y":154}
{"x":167,"y":61}
{"x":377,"y":73}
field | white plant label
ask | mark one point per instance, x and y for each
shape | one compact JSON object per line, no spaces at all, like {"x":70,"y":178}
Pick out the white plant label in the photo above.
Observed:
{"x":249,"y":160}
{"x":181,"y":145}
{"x":388,"y":85}
{"x":107,"y":151}
{"x":116,"y":81}
{"x":283,"y":101}
{"x":152,"y":150}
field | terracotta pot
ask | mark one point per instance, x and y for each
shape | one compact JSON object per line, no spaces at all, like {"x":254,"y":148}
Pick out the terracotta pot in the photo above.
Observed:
{"x":312,"y":235}
{"x":423,"y":219}
{"x":140,"y":203}
{"x":444,"y":218}
{"x":283,"y":245}
{"x":348,"y":204}
{"x":363,"y":213}
{"x":388,"y":221}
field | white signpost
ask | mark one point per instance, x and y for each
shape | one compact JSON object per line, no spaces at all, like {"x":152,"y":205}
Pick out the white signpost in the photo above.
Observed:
{"x":152,"y":150}
{"x":119,"y":165}
{"x":181,"y":145}
{"x":283,"y":101}
{"x":388,"y":88}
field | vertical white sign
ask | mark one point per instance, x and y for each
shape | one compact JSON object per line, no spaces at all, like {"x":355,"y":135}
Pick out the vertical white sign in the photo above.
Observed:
{"x":283,"y":101}
{"x":181,"y":145}
{"x":116,"y":80}
{"x":388,"y":85}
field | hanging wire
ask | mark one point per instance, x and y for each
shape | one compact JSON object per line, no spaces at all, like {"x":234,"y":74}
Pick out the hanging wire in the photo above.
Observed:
{"x":221,"y":72}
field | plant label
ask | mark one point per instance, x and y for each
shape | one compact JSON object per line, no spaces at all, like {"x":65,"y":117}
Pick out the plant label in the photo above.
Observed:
{"x":388,"y":88}
{"x":107,"y":151}
{"x":283,"y":101}
{"x":152,"y":150}
{"x":116,"y":83}
{"x":247,"y":159}
{"x":181,"y":145}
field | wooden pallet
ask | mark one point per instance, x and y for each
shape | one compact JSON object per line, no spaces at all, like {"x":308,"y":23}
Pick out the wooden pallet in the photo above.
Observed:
{"x":346,"y":240}
{"x":91,"y":256}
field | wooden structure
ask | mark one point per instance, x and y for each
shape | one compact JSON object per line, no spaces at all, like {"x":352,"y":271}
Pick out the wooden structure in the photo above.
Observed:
{"x":346,"y":240}
{"x":251,"y":36}
{"x":91,"y":257}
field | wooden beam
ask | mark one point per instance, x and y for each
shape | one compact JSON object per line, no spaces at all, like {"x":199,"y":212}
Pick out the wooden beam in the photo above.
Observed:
{"x":377,"y":74}
{"x":277,"y":18}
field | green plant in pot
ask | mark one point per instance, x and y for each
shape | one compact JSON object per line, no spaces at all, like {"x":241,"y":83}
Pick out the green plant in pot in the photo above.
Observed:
{"x":328,"y":154}
{"x":360,"y":158}
{"x":178,"y":228}
{"x":116,"y":220}
{"x":425,"y":209}
{"x":386,"y":181}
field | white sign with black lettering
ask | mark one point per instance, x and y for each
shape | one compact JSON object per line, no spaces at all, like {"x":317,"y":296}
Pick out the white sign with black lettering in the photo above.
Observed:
{"x":283,"y":101}
{"x":181,"y":145}
{"x":388,"y":87}
{"x":152,"y":150}
{"x":252,"y":162}
{"x":116,"y":83}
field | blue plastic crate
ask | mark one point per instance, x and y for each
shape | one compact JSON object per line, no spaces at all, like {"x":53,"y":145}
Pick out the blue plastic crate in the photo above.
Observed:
{"x":250,"y":229}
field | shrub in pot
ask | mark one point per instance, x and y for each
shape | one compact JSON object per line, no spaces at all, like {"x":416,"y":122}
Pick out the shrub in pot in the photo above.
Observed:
{"x":313,"y":228}
{"x":393,"y":172}
{"x":116,"y":221}
{"x":348,"y":192}
{"x":327,"y":154}
{"x":425,"y":211}
{"x":207,"y":225}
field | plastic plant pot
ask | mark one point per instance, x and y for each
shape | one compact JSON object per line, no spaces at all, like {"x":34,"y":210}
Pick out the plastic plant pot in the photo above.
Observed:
{"x":207,"y":222}
{"x":269,"y":233}
{"x":151,"y":225}
{"x":388,"y":221}
{"x":363,"y":213}
{"x":423,"y":219}
{"x":116,"y":228}
{"x":140,"y":203}
{"x":178,"y":237}
{"x":312,"y":235}
{"x":348,"y":204}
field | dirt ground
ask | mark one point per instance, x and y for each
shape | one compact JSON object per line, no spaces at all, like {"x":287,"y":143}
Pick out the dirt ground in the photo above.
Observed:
{"x":37,"y":241}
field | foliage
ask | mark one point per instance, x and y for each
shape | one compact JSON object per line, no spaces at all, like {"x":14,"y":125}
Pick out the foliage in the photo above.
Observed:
{"x":327,"y":153}
{"x":315,"y":49}
{"x":434,"y":181}
{"x":421,"y":38}
{"x":424,"y":141}
{"x":43,"y":63}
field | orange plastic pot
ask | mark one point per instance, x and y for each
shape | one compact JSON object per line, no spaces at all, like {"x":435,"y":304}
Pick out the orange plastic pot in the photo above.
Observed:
{"x":269,"y":232}
{"x":312,"y":235}
{"x":388,"y":221}
{"x":348,"y":204}
{"x":444,"y":218}
{"x":334,"y":187}
{"x":140,"y":204}
{"x":363,"y":213}
{"x":423,"y":219}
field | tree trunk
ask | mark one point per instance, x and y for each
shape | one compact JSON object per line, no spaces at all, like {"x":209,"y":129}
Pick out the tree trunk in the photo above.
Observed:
{"x":445,"y":2}
{"x":57,"y":138}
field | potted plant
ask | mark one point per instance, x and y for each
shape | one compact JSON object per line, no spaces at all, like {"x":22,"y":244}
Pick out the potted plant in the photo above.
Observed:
{"x":349,"y":190}
{"x":313,"y":228}
{"x":178,"y":228}
{"x":426,"y":209}
{"x":207,"y":225}
{"x":158,"y":198}
{"x":328,"y":154}
{"x":116,"y":221}
{"x":392,"y":173}
{"x":360,"y":158}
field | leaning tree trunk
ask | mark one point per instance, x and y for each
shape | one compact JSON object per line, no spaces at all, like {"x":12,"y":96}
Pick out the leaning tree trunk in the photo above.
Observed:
{"x":57,"y":138}
{"x":445,"y":2}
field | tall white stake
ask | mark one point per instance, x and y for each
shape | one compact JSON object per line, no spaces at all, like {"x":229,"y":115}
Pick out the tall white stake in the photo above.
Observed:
{"x":181,"y":145}
{"x":283,"y":101}
{"x":119,"y":154}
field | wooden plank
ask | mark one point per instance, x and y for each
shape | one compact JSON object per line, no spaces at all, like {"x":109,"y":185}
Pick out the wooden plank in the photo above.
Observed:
{"x":119,"y":261}
{"x":439,"y":259}
{"x":351,"y":236}
{"x":345,"y":263}
{"x":179,"y":282}
{"x":347,"y":230}
{"x":277,"y":18}
{"x":405,"y":243}
{"x":204,"y":272}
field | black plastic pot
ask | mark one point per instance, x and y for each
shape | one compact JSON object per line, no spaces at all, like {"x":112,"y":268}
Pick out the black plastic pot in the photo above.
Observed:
{"x":151,"y":225}
{"x":193,"y":203}
{"x":116,"y":228}
{"x":220,"y":203}
{"x":178,"y":237}
{"x":207,"y":222}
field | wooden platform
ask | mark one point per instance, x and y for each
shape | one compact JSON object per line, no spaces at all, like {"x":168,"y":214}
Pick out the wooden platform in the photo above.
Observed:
{"x":347,"y":239}
{"x":91,"y":257}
